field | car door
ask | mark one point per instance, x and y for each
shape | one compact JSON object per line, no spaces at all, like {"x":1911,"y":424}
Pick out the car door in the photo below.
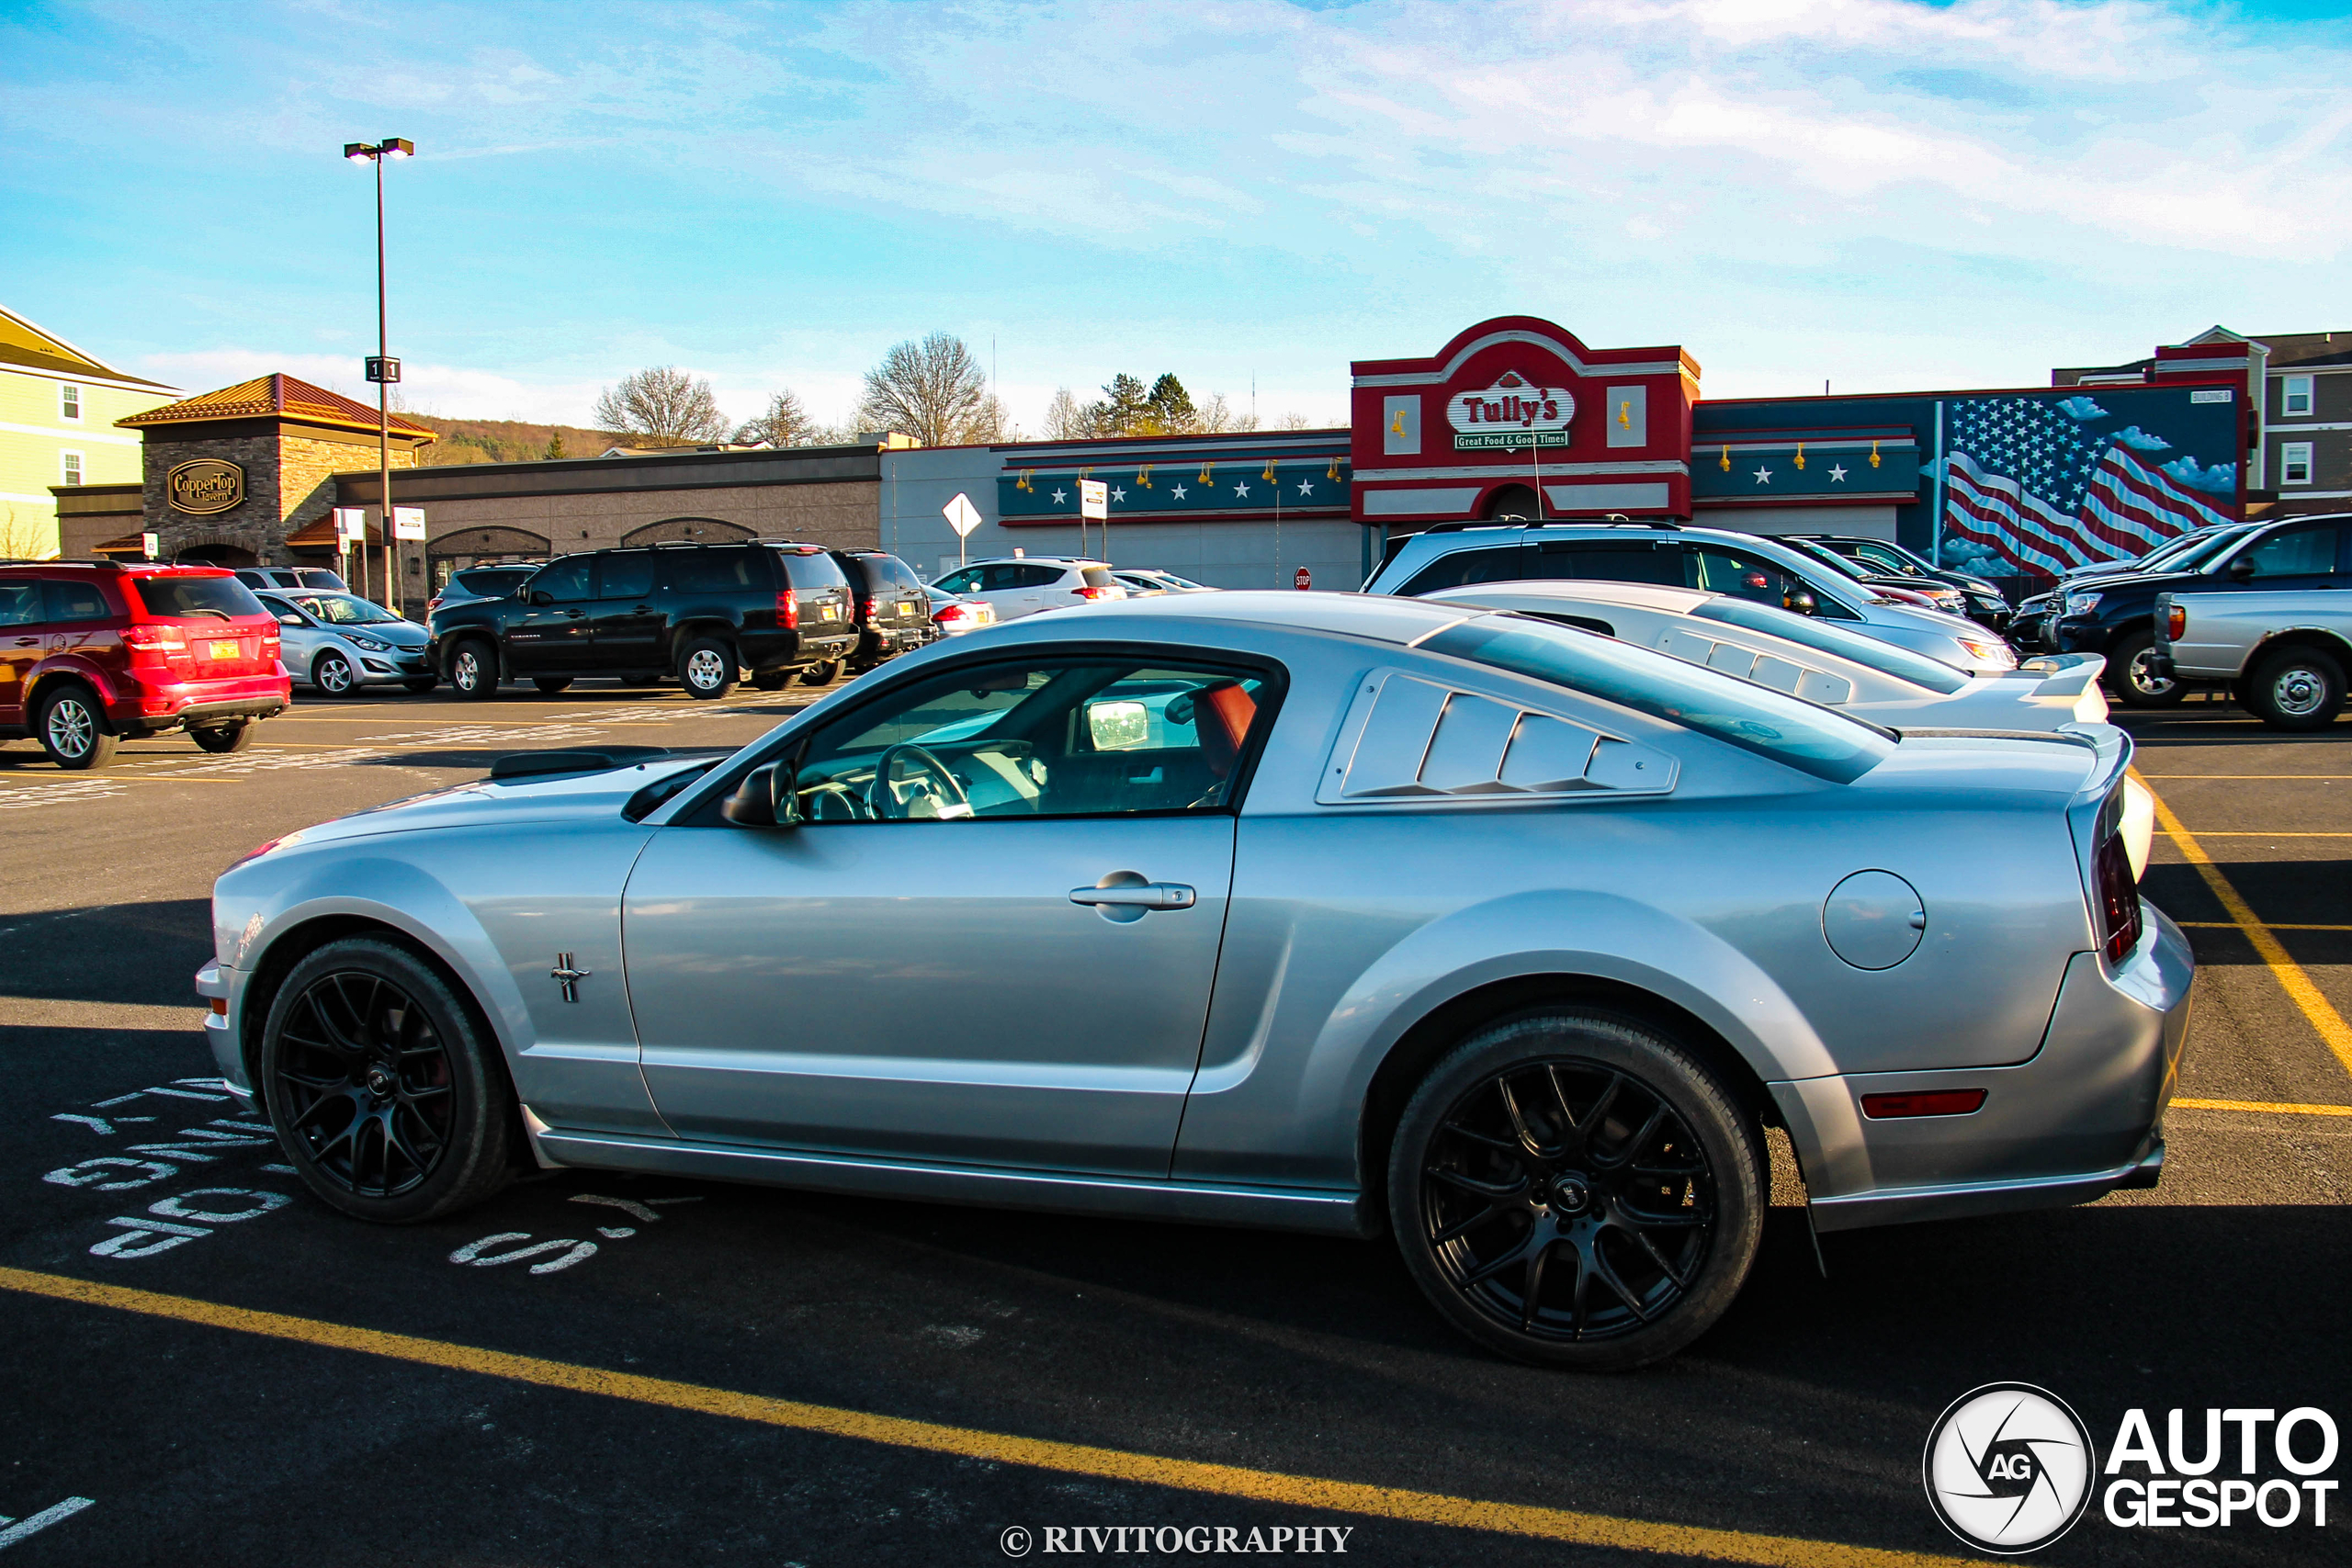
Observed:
{"x":2298,"y":558}
{"x":552,"y":630}
{"x":987,"y":942}
{"x":299,"y":638}
{"x":21,"y":641}
{"x":628,"y":618}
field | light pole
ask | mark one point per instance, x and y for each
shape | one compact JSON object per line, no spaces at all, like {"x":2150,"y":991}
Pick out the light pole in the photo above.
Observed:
{"x":383,"y":369}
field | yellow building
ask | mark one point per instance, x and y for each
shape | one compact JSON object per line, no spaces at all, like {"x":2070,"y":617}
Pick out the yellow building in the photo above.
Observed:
{"x":58,"y":406}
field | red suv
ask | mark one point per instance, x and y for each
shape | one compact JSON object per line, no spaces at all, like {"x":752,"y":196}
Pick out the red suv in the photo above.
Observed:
{"x":90,"y":654}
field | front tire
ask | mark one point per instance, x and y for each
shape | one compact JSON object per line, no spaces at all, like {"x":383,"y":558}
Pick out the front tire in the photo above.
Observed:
{"x":473,"y":669}
{"x":72,"y":729}
{"x":224,"y":739}
{"x":2300,"y":690}
{"x":382,"y":1091}
{"x":332,"y":674}
{"x":708,"y":669}
{"x":2135,"y":684}
{"x":1574,"y":1189}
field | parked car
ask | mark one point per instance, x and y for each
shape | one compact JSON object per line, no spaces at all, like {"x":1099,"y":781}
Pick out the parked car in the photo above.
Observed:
{"x":2283,"y":654}
{"x":893,"y":610}
{"x":339,"y":642}
{"x":702,"y":612}
{"x":956,"y":613}
{"x":92,"y":655}
{"x":2116,"y":616}
{"x":1984,"y":603}
{"x":1808,"y":658}
{"x":1142,"y":582}
{"x":316,"y":578}
{"x":2030,"y":628}
{"x":1928,"y":594}
{"x":1506,"y":939}
{"x":481,"y":582}
{"x":1745,"y":566}
{"x":1028,"y":584}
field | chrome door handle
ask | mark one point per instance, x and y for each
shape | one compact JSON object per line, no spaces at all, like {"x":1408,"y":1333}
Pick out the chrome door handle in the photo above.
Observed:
{"x":1137,"y":895}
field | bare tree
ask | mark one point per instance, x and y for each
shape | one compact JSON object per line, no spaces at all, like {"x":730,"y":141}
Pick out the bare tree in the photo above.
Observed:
{"x":661,"y":407}
{"x":1219,"y":417}
{"x":933,"y":391}
{"x":1295,"y":421}
{"x":1066,"y":419}
{"x":992,"y":422}
{"x":785,"y":423}
{"x":24,"y":537}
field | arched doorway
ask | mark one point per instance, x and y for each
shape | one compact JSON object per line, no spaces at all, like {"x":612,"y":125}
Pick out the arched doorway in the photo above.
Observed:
{"x":688,"y":531}
{"x":453,"y":552}
{"x":1513,"y":500}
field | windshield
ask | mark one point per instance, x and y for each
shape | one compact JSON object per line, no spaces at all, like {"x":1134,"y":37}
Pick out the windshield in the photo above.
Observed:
{"x":343,"y":610}
{"x":1755,"y":718}
{"x":183,"y":598}
{"x":1884,"y":658}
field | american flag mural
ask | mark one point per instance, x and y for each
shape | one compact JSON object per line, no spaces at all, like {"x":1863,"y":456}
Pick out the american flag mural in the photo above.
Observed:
{"x":2030,"y":489}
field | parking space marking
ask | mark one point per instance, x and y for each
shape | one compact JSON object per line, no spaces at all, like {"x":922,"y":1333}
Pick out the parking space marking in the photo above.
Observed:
{"x":2264,"y":1107}
{"x":2332,"y":1030}
{"x":1070,"y":1458}
{"x":33,"y":1524}
{"x":2274,"y":925}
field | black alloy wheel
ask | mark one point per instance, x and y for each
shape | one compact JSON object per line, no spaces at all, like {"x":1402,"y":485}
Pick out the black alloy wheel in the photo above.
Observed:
{"x":2136,"y":685}
{"x":72,"y":729}
{"x":473,"y":669}
{"x":1574,"y":1189}
{"x":379,"y":1085}
{"x":225,"y":738}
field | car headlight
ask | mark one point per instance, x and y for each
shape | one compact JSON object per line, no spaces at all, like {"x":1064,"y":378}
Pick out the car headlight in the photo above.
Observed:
{"x":2000,"y":655}
{"x":369,"y":643}
{"x":2081,"y":603}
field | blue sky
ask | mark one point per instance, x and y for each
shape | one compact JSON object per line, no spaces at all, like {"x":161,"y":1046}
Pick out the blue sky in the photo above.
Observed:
{"x":1883,"y":194}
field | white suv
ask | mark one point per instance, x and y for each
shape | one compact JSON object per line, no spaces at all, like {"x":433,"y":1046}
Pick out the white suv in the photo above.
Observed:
{"x":1026,"y":584}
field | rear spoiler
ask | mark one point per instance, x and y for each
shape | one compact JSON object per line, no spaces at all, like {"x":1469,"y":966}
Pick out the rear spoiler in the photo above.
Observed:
{"x":2062,"y":674}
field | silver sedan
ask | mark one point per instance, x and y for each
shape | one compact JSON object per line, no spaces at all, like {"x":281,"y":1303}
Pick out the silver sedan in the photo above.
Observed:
{"x":1504,"y":937}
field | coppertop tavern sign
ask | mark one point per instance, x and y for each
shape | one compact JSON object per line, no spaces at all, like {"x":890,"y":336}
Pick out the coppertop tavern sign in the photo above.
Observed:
{"x":1512,"y":413}
{"x":204,"y":487}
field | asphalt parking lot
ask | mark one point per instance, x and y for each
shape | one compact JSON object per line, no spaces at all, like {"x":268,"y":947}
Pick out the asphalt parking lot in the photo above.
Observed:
{"x":597,"y":1368}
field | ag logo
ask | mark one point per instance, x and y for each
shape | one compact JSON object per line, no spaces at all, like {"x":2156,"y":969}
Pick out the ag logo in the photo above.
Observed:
{"x":2008,"y":1468}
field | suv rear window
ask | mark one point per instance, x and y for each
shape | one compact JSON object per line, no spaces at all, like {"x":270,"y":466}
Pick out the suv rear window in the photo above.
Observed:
{"x":179,"y":598}
{"x":816,"y":570}
{"x":712,"y":570}
{"x":887,"y":572}
{"x":1755,"y":718}
{"x":1097,"y":578}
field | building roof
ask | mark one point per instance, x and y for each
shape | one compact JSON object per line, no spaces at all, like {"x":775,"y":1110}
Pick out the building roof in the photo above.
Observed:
{"x":26,"y":346}
{"x":276,"y":397}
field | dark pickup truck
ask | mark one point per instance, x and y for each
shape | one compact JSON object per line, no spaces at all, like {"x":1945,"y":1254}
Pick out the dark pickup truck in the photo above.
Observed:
{"x":703,"y":614}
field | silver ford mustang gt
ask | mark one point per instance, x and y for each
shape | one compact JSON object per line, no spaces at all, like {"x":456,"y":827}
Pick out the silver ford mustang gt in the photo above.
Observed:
{"x":1504,"y":936}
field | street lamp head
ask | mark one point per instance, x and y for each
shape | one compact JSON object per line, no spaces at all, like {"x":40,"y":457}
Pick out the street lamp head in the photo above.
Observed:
{"x":357,"y":151}
{"x":399,"y":147}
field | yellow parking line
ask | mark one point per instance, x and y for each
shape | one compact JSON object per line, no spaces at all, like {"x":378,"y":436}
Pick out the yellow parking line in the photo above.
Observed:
{"x":1070,"y":1458}
{"x":2274,"y":925}
{"x":2315,"y":1007}
{"x":2217,"y":833}
{"x":2320,"y":776}
{"x":2264,"y":1106}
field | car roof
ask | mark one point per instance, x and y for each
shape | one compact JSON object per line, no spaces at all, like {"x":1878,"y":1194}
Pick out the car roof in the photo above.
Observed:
{"x":1031,"y":560}
{"x":1382,"y":617}
{"x":1644,"y":595}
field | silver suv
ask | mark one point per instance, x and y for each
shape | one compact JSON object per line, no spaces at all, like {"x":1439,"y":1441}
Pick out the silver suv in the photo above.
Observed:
{"x":1715,"y":560}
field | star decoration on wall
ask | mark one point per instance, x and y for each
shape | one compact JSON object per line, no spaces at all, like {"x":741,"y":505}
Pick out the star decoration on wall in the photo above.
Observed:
{"x":1239,"y":488}
{"x":1177,"y":493}
{"x":1837,"y":474}
{"x":1305,"y":487}
{"x":1115,"y":495}
{"x":1059,"y":495}
{"x":1763,"y":476}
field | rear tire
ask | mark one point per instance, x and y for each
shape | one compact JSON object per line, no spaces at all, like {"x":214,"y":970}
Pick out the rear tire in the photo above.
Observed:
{"x":2135,"y":685}
{"x":473,"y":669}
{"x":226,"y":737}
{"x":549,"y":685}
{"x":708,"y":669}
{"x":821,"y":675}
{"x":72,"y":729}
{"x":1574,"y":1189}
{"x":770,"y":680}
{"x":2300,"y":690}
{"x":382,"y":1091}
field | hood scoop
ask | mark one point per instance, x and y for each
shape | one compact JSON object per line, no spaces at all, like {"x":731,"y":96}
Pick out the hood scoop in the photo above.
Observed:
{"x":538,"y":764}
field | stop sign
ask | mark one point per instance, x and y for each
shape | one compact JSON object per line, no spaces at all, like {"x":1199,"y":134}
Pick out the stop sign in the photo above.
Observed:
{"x":1301,"y":581}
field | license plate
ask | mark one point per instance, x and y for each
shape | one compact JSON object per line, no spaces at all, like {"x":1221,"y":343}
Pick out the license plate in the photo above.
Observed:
{"x":825,"y":613}
{"x":224,"y":650}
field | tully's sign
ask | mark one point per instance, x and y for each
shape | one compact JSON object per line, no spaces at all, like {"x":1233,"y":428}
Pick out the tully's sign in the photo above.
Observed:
{"x":1513,"y":413}
{"x":205,"y":486}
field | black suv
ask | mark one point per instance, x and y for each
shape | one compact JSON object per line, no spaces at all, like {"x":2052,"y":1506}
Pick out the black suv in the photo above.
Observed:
{"x":2117,"y":615}
{"x":702,"y":612}
{"x":893,"y":610}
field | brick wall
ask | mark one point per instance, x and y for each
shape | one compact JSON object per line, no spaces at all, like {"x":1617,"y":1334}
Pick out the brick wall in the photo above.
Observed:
{"x":289,"y":485}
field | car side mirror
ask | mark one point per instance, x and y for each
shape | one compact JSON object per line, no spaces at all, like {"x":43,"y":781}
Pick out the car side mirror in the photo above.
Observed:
{"x":2242,"y":569}
{"x":1801,"y":602}
{"x":290,"y":620}
{"x":768,"y":798}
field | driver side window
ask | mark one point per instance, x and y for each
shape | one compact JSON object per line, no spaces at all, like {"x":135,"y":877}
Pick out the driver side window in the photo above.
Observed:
{"x":1038,"y":737}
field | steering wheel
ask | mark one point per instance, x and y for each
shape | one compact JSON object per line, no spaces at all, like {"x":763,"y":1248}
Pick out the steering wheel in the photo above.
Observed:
{"x":945,"y":787}
{"x":818,"y":799}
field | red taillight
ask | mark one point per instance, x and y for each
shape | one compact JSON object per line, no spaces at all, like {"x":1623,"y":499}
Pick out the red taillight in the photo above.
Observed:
{"x":865,"y":608}
{"x":787,"y":612}
{"x":2175,"y":622}
{"x":952,"y":615}
{"x":149,"y":635}
{"x":432,"y":603}
{"x":2117,"y":898}
{"x":1933,"y":1103}
{"x":1091,"y":592}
